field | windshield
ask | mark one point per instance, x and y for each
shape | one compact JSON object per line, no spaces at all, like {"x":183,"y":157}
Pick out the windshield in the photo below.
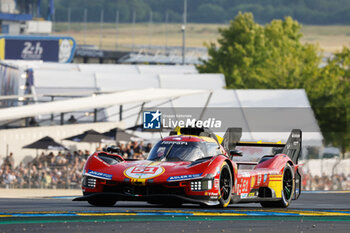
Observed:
{"x":178,"y":151}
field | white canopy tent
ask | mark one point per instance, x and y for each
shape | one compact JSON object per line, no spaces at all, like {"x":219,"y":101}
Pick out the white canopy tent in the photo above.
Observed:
{"x":96,"y":101}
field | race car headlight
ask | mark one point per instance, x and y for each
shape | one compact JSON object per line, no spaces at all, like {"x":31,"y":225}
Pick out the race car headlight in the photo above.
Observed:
{"x":89,"y":182}
{"x":201,"y":185}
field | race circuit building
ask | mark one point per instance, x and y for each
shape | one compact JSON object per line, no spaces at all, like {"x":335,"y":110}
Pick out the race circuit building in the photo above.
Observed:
{"x":18,"y":17}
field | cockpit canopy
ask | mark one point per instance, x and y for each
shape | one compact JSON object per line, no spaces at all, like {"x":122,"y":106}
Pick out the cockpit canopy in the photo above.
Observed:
{"x":173,"y":151}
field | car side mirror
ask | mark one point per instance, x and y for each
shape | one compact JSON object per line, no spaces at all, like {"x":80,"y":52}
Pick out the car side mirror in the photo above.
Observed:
{"x":236,"y":153}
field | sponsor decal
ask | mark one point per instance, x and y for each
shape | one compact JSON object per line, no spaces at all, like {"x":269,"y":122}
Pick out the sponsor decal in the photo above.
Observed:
{"x":211,"y":194}
{"x":265,"y":177}
{"x":152,"y":120}
{"x":217,"y":170}
{"x":143,"y":172}
{"x":259,"y":179}
{"x":244,"y":185}
{"x":184,"y":177}
{"x":65,"y":50}
{"x":174,"y":142}
{"x":244,"y":195}
{"x":238,"y":189}
{"x":100,"y":175}
{"x":216,"y":183}
{"x":251,"y":194}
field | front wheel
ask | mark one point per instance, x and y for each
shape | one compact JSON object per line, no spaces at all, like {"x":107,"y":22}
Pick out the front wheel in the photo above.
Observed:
{"x":288,"y":187}
{"x":225,"y":185}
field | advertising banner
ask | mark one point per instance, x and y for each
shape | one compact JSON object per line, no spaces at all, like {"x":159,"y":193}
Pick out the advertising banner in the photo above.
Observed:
{"x":45,"y":48}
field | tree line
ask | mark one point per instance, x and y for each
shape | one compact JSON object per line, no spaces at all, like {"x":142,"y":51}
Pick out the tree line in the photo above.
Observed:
{"x":252,"y":56}
{"x":317,"y":12}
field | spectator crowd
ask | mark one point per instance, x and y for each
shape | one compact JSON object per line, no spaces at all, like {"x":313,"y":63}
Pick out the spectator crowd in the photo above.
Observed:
{"x":57,"y":170}
{"x":327,"y":183}
{"x":64,"y":170}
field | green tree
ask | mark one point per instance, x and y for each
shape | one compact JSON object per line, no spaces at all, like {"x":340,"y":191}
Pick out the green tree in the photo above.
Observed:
{"x":255,"y":56}
{"x":272,"y":56}
{"x":331,"y":100}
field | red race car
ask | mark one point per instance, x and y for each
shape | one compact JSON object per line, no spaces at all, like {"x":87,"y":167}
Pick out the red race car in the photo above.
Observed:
{"x":196,"y":166}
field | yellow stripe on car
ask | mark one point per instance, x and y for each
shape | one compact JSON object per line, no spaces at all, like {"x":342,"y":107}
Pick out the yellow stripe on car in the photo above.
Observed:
{"x":275,"y":183}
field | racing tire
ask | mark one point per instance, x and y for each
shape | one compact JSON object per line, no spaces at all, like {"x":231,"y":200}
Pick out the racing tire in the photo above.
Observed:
{"x":102,"y":203}
{"x":225,"y":185}
{"x":288,"y":186}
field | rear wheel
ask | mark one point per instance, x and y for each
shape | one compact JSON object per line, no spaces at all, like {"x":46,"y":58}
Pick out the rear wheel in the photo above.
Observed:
{"x":225,"y":188}
{"x":287,"y":190}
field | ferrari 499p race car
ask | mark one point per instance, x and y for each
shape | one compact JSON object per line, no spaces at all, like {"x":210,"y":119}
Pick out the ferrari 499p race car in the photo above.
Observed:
{"x":196,"y":166}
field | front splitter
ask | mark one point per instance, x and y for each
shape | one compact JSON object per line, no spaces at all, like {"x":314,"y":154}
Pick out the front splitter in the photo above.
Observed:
{"x":156,"y":198}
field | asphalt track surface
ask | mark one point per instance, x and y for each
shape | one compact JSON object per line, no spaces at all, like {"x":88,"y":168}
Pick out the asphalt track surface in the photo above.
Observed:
{"x":313,"y":212}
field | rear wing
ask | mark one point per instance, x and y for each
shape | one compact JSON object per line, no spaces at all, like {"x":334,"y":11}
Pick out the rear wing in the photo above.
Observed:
{"x":292,"y":147}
